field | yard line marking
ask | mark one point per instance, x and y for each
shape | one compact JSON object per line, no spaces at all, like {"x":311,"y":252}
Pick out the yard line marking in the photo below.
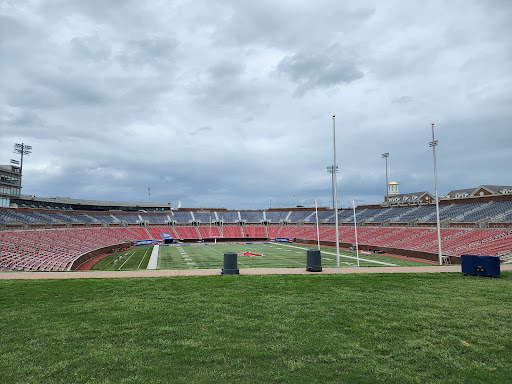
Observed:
{"x":143,"y":257}
{"x":128,"y":258}
{"x":348,"y":257}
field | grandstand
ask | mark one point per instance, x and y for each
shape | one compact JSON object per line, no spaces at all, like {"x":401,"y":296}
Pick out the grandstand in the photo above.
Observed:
{"x":59,"y":234}
{"x":62,"y":239}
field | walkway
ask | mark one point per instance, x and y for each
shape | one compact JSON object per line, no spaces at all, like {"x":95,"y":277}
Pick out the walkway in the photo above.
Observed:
{"x":243,"y":271}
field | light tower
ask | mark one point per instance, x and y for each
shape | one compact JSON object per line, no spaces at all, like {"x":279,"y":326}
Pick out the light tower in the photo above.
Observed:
{"x":385,"y":156}
{"x":22,"y":149}
{"x":433,"y":144}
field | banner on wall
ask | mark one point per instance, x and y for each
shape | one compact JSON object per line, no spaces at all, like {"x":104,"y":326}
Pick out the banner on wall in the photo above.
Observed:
{"x":282,"y":239}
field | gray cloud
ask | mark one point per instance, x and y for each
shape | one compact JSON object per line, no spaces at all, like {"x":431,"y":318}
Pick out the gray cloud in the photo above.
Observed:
{"x":199,"y":101}
{"x":331,"y":67}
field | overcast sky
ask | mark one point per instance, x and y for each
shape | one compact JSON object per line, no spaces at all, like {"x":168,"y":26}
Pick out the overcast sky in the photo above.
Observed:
{"x":230,"y":103}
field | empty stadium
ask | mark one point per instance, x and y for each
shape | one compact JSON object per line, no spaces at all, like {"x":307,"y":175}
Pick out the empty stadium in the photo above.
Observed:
{"x":58,"y":237}
{"x":145,"y":146}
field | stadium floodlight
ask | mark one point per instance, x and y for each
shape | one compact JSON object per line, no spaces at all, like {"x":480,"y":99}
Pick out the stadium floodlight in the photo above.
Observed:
{"x":433,"y":144}
{"x":336,"y":193}
{"x":330,"y":169}
{"x":385,"y":156}
{"x":23,"y":150}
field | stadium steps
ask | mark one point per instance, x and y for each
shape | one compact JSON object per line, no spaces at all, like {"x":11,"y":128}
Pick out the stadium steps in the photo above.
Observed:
{"x":480,"y":207}
{"x":443,"y":238}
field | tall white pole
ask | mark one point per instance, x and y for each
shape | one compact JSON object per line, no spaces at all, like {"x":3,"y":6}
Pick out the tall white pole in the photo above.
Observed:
{"x":336,"y":193}
{"x":355,"y":229}
{"x":433,"y":144}
{"x":317,"y":230}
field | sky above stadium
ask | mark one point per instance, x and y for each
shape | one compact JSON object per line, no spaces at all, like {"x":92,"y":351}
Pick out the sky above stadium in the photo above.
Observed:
{"x":230,"y":103}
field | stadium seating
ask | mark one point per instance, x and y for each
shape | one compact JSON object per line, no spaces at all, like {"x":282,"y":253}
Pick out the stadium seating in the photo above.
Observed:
{"x":209,"y":231}
{"x":187,"y":232}
{"x":276,"y":216}
{"x":156,"y":232}
{"x":251,"y":216}
{"x":234,"y":231}
{"x":74,"y":233}
{"x":182,"y":217}
{"x":256,"y":231}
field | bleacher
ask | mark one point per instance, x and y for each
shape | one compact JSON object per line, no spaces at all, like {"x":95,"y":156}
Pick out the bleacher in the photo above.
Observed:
{"x":156,"y":232}
{"x":187,"y":232}
{"x":182,"y":217}
{"x":158,"y":218}
{"x":232,"y":231}
{"x":205,"y":217}
{"x":228,"y":216}
{"x":54,"y":249}
{"x":251,"y":216}
{"x":276,"y":216}
{"x":255,"y":231}
{"x":209,"y":231}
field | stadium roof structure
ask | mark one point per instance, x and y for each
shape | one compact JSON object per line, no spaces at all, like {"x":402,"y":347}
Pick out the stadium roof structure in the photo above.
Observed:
{"x":96,"y":203}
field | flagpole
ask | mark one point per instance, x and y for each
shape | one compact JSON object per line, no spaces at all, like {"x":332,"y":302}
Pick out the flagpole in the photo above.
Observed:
{"x":336,"y":194}
{"x":317,"y":231}
{"x":355,"y":230}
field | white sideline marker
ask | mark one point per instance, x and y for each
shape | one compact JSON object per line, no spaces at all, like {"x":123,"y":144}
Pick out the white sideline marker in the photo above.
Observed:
{"x":153,"y":260}
{"x":348,"y":257}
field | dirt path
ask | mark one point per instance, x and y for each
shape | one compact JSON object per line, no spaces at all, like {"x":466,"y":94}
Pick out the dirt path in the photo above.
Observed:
{"x":243,"y":271}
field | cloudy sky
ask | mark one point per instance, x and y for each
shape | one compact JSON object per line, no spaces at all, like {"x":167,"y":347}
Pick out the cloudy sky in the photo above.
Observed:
{"x":230,"y":103}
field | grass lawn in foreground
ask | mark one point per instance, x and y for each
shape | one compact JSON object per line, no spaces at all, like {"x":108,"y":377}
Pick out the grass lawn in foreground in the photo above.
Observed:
{"x":359,"y":328}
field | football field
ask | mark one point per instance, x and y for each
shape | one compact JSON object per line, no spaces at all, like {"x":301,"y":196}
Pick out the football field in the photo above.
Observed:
{"x":250,"y":255}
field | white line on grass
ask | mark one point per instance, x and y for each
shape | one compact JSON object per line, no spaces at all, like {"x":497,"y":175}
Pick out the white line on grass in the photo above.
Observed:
{"x":143,"y":257}
{"x":349,"y":257}
{"x":121,"y":266}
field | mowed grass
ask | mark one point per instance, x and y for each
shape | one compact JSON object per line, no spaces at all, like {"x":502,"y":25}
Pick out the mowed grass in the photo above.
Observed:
{"x":133,"y":258}
{"x":274,"y":255}
{"x":372,"y":328}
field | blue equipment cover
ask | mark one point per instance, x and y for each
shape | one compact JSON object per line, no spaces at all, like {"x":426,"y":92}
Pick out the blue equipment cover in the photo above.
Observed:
{"x":480,"y":265}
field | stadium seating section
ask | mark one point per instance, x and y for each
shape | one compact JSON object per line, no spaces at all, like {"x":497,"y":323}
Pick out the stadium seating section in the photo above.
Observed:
{"x":37,"y":239}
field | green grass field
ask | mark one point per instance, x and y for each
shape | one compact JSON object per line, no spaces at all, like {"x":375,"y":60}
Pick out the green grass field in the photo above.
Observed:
{"x":371,"y":328}
{"x":275,"y":255}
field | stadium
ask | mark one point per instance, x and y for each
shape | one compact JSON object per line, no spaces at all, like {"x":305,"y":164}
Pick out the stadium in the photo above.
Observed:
{"x":166,"y":215}
{"x":212,"y":327}
{"x":61,"y":234}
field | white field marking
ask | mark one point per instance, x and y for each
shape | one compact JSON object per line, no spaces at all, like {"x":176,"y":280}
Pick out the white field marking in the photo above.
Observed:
{"x":278,"y":256}
{"x":348,"y":257}
{"x":153,"y":260}
{"x":128,"y":258}
{"x":143,"y":257}
{"x":238,"y":259}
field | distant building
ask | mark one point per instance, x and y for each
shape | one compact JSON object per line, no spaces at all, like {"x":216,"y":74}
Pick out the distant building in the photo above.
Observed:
{"x":482,"y":190}
{"x":397,"y":198}
{"x":10,"y":184}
